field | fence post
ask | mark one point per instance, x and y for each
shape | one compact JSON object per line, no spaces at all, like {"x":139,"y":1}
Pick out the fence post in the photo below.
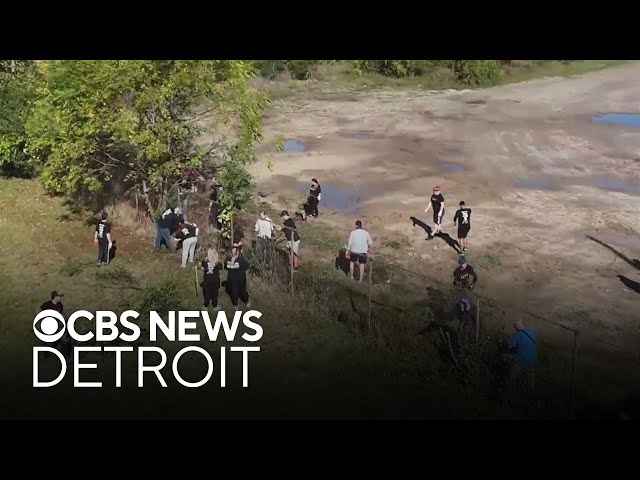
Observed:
{"x":478,"y":322}
{"x":573,"y":373}
{"x":369,"y":311}
{"x":291,"y":265}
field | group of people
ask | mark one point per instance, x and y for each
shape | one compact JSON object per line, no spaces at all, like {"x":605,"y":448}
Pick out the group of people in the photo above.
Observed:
{"x":464,"y":275}
{"x":172,"y":222}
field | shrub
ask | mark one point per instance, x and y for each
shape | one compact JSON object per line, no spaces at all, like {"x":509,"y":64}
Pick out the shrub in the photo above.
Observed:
{"x":476,"y":72}
{"x":163,"y":297}
{"x":300,"y":69}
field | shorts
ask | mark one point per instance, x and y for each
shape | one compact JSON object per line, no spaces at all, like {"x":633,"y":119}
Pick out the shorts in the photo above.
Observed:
{"x":358,"y":258}
{"x":437,"y":218}
{"x":296,"y":246}
{"x":463,"y":231}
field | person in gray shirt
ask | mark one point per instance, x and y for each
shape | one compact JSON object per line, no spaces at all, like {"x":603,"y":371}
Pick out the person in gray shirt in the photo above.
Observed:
{"x":359,"y":245}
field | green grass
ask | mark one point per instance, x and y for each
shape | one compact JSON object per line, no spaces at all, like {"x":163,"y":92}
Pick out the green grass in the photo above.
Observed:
{"x":338,"y":82}
{"x":316,"y":358}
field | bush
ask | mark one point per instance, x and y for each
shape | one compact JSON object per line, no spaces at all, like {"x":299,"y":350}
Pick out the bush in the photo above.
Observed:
{"x":163,"y":297}
{"x":476,"y":72}
{"x":300,"y":69}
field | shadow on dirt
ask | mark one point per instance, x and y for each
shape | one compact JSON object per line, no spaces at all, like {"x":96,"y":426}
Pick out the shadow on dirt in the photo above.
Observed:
{"x":422,"y":225}
{"x":635,"y":286}
{"x":453,"y":243}
{"x":635,"y":263}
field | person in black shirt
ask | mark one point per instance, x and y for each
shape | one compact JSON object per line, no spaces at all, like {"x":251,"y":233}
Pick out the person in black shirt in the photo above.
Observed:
{"x":55,"y":303}
{"x":64,"y":344}
{"x":315,"y":194}
{"x":464,"y":276}
{"x":211,"y":267}
{"x":172,"y":221}
{"x":293,"y":239}
{"x":463,"y":219}
{"x":163,"y":233}
{"x":437,"y":203}
{"x":236,"y":285}
{"x":102,"y":238}
{"x":188,"y":233}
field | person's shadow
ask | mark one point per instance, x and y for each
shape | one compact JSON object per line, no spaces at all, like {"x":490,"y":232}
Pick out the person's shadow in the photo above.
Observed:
{"x":635,"y":263}
{"x":450,"y":241}
{"x":630,"y":284}
{"x":422,"y":225}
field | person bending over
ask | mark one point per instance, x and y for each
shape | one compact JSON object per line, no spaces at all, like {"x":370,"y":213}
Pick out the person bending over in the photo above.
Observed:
{"x":293,"y":239}
{"x":464,"y":276}
{"x":211,"y":267}
{"x":236,"y":285}
{"x":188,"y":233}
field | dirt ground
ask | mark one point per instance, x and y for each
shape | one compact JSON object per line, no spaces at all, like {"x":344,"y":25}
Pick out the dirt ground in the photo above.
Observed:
{"x":537,"y":172}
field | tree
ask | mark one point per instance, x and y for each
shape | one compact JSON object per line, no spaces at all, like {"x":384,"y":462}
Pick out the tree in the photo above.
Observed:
{"x":105,"y":127}
{"x":17,"y":92}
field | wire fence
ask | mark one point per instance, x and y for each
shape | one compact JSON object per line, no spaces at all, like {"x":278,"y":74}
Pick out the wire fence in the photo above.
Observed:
{"x":559,"y":360}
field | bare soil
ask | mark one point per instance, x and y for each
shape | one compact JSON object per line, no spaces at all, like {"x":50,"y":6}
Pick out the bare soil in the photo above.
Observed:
{"x":527,"y":159}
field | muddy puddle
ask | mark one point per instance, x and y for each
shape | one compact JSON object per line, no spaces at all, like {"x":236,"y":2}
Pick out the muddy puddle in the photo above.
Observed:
{"x":294,"y":146}
{"x":616,"y":185}
{"x":361,"y":136}
{"x":535,"y":183}
{"x":620,"y":119}
{"x":453,"y":167}
{"x":335,"y":197}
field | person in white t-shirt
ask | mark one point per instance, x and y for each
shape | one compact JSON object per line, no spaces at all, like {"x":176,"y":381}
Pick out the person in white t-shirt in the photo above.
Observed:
{"x":359,"y":246}
{"x":264,"y":234}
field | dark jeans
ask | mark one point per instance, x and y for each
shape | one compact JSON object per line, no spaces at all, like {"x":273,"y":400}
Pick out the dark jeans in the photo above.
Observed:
{"x":263,"y":246}
{"x":163,"y":237}
{"x":103,"y":250}
{"x":210,"y":294}
{"x":238,"y":291}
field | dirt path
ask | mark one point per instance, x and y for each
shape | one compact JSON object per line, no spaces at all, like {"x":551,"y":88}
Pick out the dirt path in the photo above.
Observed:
{"x":527,"y":158}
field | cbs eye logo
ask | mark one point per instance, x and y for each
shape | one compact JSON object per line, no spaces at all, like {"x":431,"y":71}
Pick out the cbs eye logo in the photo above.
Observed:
{"x":52,"y":326}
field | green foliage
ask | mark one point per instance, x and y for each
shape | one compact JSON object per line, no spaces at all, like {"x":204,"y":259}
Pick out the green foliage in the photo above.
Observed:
{"x":162,"y":297}
{"x":300,"y":69}
{"x":116,"y":273}
{"x":17,"y":92}
{"x":476,"y":72}
{"x":104,"y":125}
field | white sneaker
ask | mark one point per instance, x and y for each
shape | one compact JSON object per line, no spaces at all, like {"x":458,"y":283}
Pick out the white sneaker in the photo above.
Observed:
{"x":248,"y":304}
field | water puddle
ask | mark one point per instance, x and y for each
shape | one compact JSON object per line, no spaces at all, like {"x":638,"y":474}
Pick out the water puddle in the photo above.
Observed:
{"x":535,"y":183}
{"x":453,"y":167}
{"x":362,"y":136}
{"x":615,"y":185}
{"x":293,"y":146}
{"x":622,"y":119}
{"x":334,"y":197}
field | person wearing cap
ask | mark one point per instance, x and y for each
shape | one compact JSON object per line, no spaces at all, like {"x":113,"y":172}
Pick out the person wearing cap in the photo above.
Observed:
{"x":464,"y":276}
{"x":293,"y":238}
{"x":358,"y":247}
{"x":463,"y":219}
{"x":523,"y":345}
{"x":437,"y":203}
{"x":55,"y":303}
{"x":236,"y":284}
{"x":102,"y":238}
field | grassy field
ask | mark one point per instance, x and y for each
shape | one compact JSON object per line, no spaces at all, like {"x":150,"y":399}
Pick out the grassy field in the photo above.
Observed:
{"x":316,"y":360}
{"x":339,"y":82}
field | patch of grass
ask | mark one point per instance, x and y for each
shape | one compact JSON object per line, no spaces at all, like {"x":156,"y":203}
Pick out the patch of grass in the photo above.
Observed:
{"x":75,"y":267}
{"x":523,"y":70}
{"x":116,"y":273}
